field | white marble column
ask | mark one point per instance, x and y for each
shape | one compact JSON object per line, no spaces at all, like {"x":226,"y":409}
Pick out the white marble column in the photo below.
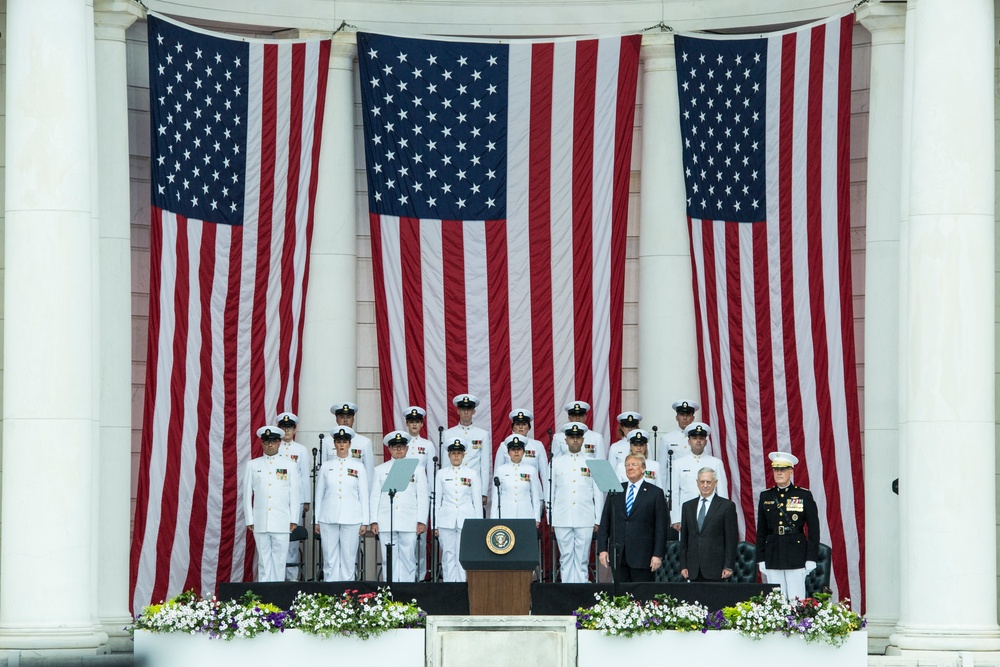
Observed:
{"x":111,"y":19}
{"x":329,"y":338}
{"x":46,"y":590}
{"x":948,"y":474}
{"x":668,"y":351}
{"x":886,"y":23}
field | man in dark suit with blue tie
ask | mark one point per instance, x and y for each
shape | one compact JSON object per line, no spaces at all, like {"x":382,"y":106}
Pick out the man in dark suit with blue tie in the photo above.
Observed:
{"x":708,"y":533}
{"x":640,"y":520}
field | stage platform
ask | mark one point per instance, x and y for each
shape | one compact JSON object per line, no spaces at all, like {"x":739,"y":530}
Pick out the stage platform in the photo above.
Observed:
{"x":450,"y":599}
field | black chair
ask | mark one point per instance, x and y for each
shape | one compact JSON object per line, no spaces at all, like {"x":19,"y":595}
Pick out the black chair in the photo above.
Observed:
{"x":819,"y":579}
{"x":298,"y":536}
{"x":745,"y":568}
{"x":670,"y":571}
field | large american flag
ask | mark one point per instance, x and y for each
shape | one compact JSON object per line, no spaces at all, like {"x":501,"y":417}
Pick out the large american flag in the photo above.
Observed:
{"x":235,"y":127}
{"x":765,"y":125}
{"x":498,"y":193}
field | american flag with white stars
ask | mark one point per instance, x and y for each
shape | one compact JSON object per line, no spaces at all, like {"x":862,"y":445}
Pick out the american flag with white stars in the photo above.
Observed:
{"x":436,"y":113}
{"x":722,"y":126}
{"x":199,"y":122}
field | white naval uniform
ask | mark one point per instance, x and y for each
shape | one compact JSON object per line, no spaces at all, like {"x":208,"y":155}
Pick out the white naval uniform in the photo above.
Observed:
{"x":424,"y":451}
{"x":651,"y":475}
{"x":409,"y":509}
{"x":685,"y":481}
{"x":361,"y":450}
{"x":300,"y":455}
{"x":593,"y":445}
{"x":534,"y":455}
{"x":520,"y":492}
{"x":577,"y":505}
{"x":271,"y":504}
{"x":678,"y":442}
{"x":342,"y":507}
{"x":617,"y":452}
{"x":459,"y":496}
{"x":478,"y":451}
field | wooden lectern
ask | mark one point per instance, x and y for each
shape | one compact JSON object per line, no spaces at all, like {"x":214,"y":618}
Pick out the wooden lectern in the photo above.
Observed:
{"x":499,"y":556}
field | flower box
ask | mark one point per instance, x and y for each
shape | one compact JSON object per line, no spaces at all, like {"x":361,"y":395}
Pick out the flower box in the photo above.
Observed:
{"x":724,"y":647}
{"x":393,"y":648}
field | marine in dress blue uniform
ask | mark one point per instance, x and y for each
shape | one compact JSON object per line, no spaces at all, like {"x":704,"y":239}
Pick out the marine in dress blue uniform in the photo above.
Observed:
{"x":787,"y":529}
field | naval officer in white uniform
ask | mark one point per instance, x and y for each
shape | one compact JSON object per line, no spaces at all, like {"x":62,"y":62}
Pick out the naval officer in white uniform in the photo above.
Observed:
{"x":271,"y":504}
{"x":342,"y":508}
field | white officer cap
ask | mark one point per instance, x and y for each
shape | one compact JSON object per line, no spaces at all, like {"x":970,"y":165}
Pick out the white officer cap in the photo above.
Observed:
{"x":574,"y":428}
{"x":342,"y":433}
{"x":396,"y":438}
{"x":577,"y":407}
{"x":515,"y":440}
{"x":698,"y":428}
{"x":685,"y":406}
{"x":782,"y":459}
{"x":413,"y":412}
{"x":638,"y":436}
{"x":345,"y":408}
{"x":465,"y":401}
{"x":286,"y":417}
{"x":521,"y":415}
{"x":270,"y":433}
{"x":629,"y":419}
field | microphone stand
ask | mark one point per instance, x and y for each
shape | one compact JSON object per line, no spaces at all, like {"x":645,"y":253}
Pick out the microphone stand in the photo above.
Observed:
{"x":552,"y":533}
{"x":615,"y":555}
{"x":434,"y":538}
{"x":670,"y":487}
{"x":656,"y":452}
{"x":496,"y":483}
{"x":315,"y":478}
{"x":389,"y":545}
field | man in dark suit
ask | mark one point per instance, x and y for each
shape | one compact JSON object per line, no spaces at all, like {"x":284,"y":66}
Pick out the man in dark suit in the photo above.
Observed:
{"x":708,"y":532}
{"x":640,"y":521}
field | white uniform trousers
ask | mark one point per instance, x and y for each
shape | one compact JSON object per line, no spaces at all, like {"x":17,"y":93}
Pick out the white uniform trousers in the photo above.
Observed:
{"x":340,"y":550}
{"x":451,"y":540}
{"x":574,"y":553}
{"x":272,"y":549}
{"x":792,"y":582}
{"x":404,"y":555}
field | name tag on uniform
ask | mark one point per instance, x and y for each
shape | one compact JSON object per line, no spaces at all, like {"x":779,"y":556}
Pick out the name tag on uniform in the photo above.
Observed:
{"x":589,"y":448}
{"x":477,"y":444}
{"x":795,"y":505}
{"x":585,"y":472}
{"x":768,"y":502}
{"x":281,"y":473}
{"x":530,"y":453}
{"x":356,"y":453}
{"x":351,"y":472}
{"x":466,"y":481}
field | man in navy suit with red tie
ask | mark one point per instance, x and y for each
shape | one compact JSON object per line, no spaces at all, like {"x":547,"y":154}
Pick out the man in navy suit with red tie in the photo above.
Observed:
{"x":709,"y":532}
{"x":640,"y":520}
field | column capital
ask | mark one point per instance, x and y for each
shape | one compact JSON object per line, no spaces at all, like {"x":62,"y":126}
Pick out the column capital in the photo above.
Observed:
{"x":657,"y":51}
{"x":113,"y":17}
{"x":885,"y":21}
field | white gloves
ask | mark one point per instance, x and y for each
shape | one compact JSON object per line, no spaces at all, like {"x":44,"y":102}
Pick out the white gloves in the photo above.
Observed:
{"x":810,"y":566}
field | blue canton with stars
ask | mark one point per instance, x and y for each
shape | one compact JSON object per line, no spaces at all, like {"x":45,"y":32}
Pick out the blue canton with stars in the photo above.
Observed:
{"x":722,"y":91}
{"x":198,"y":102}
{"x":435,"y":118}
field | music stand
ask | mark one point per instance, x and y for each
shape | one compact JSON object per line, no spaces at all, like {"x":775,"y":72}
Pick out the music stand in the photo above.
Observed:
{"x":607,"y":481}
{"x":397,"y":480}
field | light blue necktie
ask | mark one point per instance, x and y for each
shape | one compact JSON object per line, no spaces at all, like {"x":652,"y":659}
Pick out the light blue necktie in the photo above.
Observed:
{"x":629,"y":498}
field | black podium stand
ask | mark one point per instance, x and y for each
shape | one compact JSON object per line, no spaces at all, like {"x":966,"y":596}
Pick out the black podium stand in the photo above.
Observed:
{"x":499,"y":556}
